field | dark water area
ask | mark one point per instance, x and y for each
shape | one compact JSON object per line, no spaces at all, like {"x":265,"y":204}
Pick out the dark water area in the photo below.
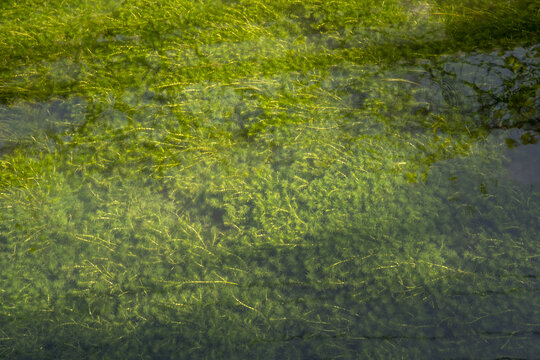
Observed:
{"x":523,"y":157}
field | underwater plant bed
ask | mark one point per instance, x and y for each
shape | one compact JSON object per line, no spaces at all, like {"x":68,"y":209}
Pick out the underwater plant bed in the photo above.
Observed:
{"x":274,"y":180}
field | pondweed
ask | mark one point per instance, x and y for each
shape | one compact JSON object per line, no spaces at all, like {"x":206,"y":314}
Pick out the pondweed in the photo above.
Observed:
{"x":234,"y":179}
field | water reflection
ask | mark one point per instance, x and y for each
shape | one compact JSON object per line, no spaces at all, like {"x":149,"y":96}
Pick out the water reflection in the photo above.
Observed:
{"x":501,"y":86}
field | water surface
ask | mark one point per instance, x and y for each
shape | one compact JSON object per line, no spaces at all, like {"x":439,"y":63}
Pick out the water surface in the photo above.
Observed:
{"x":239,"y":179}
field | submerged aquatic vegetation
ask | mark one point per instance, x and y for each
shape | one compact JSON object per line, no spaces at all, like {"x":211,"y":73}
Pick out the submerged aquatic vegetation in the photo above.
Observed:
{"x":285,"y":179}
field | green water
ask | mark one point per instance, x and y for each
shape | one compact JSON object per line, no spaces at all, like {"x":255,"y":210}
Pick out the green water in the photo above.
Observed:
{"x":271,"y":180}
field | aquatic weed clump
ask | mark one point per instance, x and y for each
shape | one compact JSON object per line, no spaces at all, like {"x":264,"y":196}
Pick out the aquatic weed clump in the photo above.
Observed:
{"x":270,"y":180}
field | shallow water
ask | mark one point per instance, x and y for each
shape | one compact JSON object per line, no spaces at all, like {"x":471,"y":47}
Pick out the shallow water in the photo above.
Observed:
{"x":208,"y":200}
{"x":523,"y":157}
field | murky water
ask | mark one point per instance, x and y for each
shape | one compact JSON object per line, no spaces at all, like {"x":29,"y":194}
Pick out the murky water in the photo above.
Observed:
{"x":348,"y":210}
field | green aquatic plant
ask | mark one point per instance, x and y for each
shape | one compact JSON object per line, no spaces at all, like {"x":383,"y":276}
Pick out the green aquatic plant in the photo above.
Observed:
{"x":232,"y":179}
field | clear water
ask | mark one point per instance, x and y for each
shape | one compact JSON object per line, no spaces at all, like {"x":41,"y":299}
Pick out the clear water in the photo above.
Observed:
{"x":348,"y":210}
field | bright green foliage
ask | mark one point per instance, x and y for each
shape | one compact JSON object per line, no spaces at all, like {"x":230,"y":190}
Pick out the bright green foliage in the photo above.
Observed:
{"x":250,"y":179}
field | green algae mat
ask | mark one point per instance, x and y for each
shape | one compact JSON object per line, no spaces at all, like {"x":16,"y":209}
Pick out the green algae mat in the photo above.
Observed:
{"x":342,"y":179}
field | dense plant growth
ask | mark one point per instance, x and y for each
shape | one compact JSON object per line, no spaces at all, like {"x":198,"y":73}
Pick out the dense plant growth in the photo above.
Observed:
{"x":283,"y":179}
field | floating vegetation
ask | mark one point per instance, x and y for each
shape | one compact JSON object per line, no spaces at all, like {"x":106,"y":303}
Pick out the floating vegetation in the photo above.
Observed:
{"x":234,"y":179}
